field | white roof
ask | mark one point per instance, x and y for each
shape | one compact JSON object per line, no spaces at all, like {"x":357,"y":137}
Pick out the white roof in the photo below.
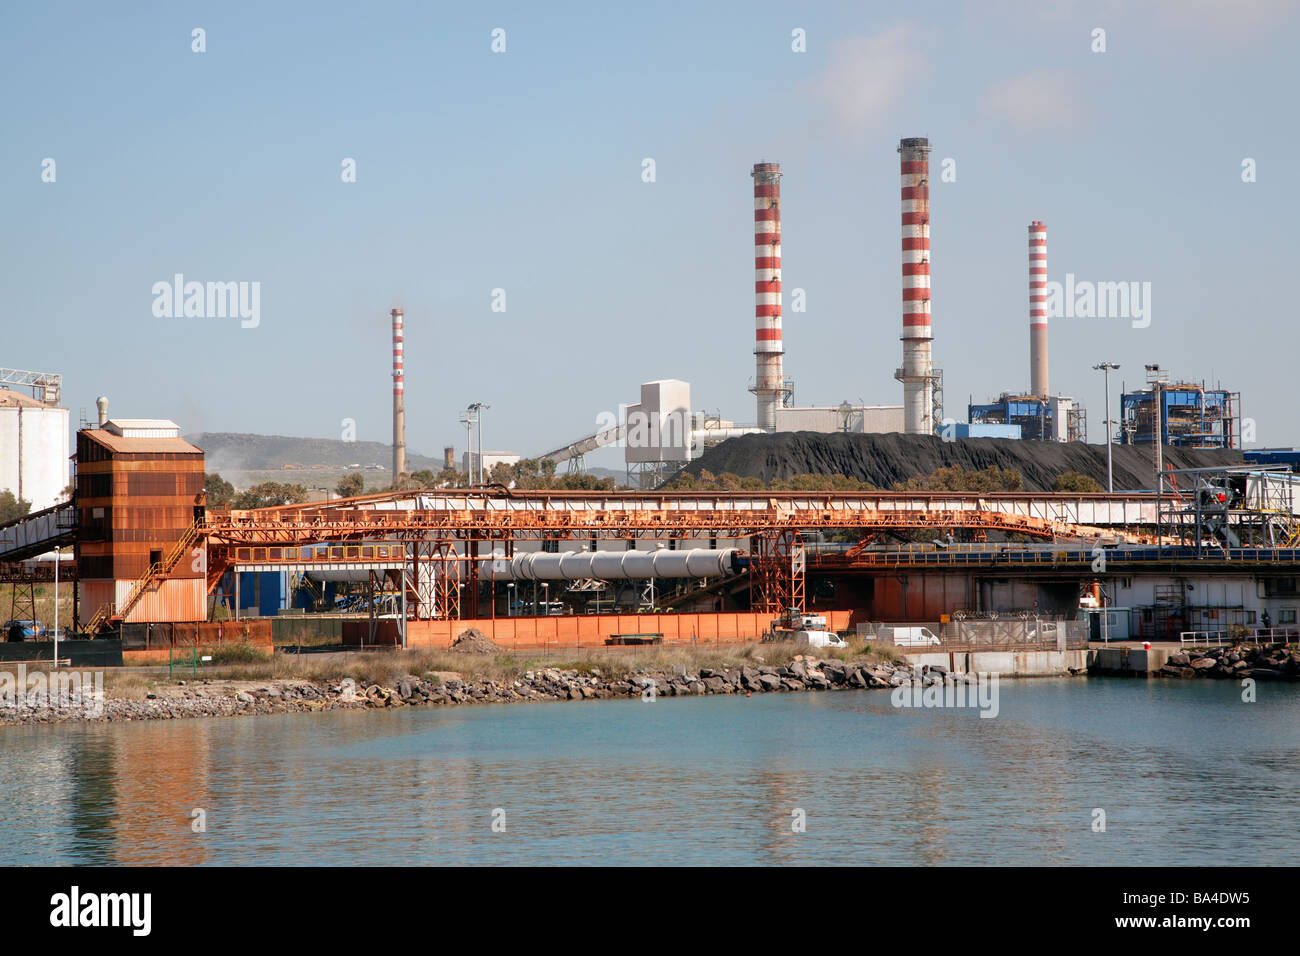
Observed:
{"x":143,"y":428}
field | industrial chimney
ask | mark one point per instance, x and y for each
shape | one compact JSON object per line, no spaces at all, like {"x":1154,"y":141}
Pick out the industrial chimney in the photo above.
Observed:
{"x":1038,"y":385}
{"x":769,"y":387}
{"x":101,"y":404}
{"x":399,"y":407}
{"x":917,"y":373}
{"x":449,"y":458}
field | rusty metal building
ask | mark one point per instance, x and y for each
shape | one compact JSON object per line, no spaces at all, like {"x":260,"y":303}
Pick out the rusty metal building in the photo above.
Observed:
{"x":139,"y":491}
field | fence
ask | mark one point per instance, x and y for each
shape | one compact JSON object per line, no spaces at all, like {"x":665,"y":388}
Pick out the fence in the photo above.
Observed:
{"x":155,"y":637}
{"x":1022,"y":634}
{"x":1254,"y":635}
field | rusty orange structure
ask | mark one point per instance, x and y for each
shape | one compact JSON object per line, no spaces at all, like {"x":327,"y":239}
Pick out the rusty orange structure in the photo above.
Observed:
{"x":453,"y":526}
{"x":137,"y":501}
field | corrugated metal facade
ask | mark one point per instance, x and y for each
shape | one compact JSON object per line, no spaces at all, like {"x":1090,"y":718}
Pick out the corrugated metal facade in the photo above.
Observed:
{"x":136,"y":499}
{"x":171,"y":600}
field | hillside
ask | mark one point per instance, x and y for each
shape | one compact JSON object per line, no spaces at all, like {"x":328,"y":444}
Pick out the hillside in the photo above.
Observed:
{"x":232,"y":451}
{"x":885,"y":459}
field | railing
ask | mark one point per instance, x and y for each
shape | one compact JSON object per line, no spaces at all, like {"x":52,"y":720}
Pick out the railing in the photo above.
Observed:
{"x":1255,"y":635}
{"x":1217,"y":636}
{"x":1042,"y":558}
{"x":104,"y":612}
{"x":320,"y":554}
{"x":155,"y":571}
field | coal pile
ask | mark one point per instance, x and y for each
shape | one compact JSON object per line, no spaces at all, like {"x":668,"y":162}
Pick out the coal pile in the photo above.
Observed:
{"x":883,"y":460}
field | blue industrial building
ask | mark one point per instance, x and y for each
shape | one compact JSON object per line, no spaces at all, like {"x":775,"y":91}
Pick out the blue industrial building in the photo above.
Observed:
{"x":1191,"y":416}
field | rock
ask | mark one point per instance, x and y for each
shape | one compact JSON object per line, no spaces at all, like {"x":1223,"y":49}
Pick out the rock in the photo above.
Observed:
{"x":1263,"y":673}
{"x":1203,"y":663}
{"x":769,"y":681}
{"x":1179,"y":659}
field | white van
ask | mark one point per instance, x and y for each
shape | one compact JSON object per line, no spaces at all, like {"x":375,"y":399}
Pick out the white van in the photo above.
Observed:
{"x":808,"y":629}
{"x":909,"y":636}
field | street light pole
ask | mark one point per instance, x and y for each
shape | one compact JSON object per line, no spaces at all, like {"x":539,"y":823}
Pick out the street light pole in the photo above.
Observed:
{"x":58,"y":556}
{"x":1105,"y":368}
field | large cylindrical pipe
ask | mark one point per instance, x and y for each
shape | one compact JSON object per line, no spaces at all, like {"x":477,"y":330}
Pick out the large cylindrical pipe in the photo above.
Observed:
{"x":399,"y":400}
{"x":617,"y":565}
{"x":1038,"y":384}
{"x":768,"y":347}
{"x":917,"y":372}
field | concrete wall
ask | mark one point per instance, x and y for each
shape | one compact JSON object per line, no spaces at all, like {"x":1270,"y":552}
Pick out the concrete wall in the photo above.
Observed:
{"x":588,"y":630}
{"x":1000,"y":662}
{"x":36,"y":468}
{"x":870,"y":419}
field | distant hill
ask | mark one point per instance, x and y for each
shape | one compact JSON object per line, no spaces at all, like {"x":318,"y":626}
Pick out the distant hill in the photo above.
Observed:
{"x":232,"y":451}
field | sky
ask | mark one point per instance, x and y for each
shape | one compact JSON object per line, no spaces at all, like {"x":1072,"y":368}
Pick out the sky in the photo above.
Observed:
{"x":1167,"y":157}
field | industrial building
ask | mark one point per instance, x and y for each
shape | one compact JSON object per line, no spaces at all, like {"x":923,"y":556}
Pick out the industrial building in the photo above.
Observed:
{"x":1039,"y":415}
{"x":1037,"y":418}
{"x":139,"y":497}
{"x":853,"y":419}
{"x":1191,"y":416}
{"x":34,"y":449}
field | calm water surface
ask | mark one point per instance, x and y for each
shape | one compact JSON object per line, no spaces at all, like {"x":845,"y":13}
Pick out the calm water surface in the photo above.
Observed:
{"x":1186,"y":773}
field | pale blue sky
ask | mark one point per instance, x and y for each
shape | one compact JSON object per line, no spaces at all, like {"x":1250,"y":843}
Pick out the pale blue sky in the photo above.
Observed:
{"x":522,"y":171}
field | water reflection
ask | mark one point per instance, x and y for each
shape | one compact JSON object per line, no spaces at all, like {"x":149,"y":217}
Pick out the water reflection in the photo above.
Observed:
{"x":693,"y":781}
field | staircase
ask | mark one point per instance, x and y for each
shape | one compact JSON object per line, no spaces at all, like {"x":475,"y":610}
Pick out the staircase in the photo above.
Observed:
{"x":152,"y":576}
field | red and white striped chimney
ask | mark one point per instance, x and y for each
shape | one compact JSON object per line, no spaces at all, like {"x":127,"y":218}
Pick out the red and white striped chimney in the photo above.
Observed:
{"x":768,"y":348}
{"x":1038,"y":310}
{"x":399,"y":400}
{"x":917,"y":371}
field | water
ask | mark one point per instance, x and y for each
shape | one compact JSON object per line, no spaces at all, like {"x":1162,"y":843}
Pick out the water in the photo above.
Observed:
{"x":1186,"y":772}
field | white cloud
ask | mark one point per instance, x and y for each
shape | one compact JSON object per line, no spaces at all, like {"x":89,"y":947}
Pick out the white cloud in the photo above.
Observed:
{"x":1031,"y":102}
{"x":867,"y":75}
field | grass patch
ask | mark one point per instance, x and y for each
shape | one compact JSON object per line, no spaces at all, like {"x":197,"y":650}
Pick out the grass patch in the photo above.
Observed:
{"x":241,"y":653}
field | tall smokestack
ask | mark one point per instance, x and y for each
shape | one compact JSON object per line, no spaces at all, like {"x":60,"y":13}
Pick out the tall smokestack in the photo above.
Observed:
{"x":1038,"y":310}
{"x":399,"y":404}
{"x":768,"y":349}
{"x":917,"y":372}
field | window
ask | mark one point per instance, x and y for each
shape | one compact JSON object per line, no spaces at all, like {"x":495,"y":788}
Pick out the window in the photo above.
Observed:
{"x":1286,"y":615}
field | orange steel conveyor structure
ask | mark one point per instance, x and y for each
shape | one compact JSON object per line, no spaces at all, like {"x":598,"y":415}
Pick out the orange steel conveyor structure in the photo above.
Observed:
{"x":448,"y":526}
{"x":533,"y":514}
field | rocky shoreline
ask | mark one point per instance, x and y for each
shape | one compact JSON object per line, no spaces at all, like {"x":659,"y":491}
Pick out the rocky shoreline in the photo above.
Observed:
{"x":1236,"y":662}
{"x":225,"y":698}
